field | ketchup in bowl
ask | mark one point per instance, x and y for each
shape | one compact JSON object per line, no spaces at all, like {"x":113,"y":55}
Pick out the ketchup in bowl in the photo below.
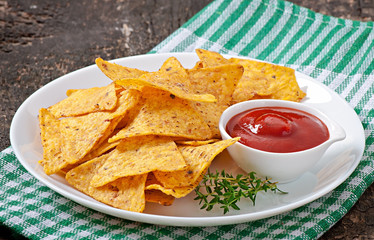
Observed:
{"x":278,"y":129}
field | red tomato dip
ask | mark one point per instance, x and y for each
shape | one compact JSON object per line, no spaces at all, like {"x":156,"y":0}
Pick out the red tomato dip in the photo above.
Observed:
{"x":278,"y":129}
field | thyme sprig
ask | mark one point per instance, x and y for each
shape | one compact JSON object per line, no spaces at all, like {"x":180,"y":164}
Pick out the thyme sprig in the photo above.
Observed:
{"x":221,"y":188}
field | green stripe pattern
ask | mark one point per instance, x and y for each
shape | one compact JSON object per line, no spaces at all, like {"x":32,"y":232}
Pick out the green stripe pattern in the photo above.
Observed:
{"x":338,"y":53}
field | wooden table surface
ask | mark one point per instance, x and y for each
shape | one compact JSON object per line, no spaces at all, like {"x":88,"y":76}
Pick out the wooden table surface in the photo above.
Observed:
{"x":42,"y":40}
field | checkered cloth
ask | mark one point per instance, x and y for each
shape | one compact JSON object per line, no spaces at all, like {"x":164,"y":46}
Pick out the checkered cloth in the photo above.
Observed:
{"x":336,"y":52}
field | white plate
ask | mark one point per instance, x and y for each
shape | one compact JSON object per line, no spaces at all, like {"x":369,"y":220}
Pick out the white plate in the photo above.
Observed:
{"x":336,"y":165}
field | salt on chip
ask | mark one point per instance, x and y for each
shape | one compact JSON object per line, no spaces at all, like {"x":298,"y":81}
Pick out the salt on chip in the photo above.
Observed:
{"x":85,"y":101}
{"x":171,"y":77}
{"x":266,"y":80}
{"x":125,"y":193}
{"x":167,"y":115}
{"x":117,"y":72}
{"x":198,"y":159}
{"x":53,"y":159}
{"x":139,"y":155}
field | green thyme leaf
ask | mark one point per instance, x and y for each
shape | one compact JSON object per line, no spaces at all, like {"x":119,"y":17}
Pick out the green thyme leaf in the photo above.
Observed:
{"x":225,"y":190}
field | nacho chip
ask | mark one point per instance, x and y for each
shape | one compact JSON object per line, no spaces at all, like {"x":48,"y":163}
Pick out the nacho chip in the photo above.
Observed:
{"x":128,"y":105}
{"x":198,"y":159}
{"x":85,"y":101}
{"x":220,"y":81}
{"x":167,"y":115}
{"x":171,"y":77}
{"x":211,"y":113}
{"x":51,"y":142}
{"x":103,"y":148}
{"x":211,"y":59}
{"x":81,"y":134}
{"x":260,"y":79}
{"x":124,"y":193}
{"x":266,"y":80}
{"x":151,"y":179}
{"x":196,"y":142}
{"x":134,"y":156}
{"x":176,"y":192}
{"x":198,"y":64}
{"x":80,"y":176}
{"x":117,"y":72}
{"x":71,"y":91}
{"x":159,"y":197}
{"x":129,"y":99}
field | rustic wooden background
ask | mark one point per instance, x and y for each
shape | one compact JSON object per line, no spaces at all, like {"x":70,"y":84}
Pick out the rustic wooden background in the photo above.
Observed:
{"x":41,"y":40}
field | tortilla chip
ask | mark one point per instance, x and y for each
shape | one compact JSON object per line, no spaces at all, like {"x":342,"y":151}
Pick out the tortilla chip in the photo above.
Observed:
{"x":166,"y":115}
{"x":266,"y":80}
{"x":211,"y":113}
{"x":85,"y":101}
{"x":171,"y":77}
{"x":124,"y":193}
{"x":51,"y":142}
{"x":129,"y":99}
{"x":260,"y":79}
{"x":80,"y":176}
{"x":210,"y":59}
{"x":151,"y":179}
{"x":220,"y":81}
{"x":176,"y":192}
{"x":159,"y":197}
{"x":134,"y":156}
{"x":196,"y":142}
{"x":104,"y":148}
{"x":80,"y":134}
{"x":198,"y":159}
{"x":71,"y":91}
{"x":198,"y":64}
{"x":117,"y":72}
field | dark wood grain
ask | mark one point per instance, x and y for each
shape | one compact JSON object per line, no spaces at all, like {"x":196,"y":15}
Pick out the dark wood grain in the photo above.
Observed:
{"x":42,"y":40}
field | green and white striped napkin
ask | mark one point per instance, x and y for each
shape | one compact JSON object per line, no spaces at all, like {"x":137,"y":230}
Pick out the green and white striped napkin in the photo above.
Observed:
{"x":336,"y":52}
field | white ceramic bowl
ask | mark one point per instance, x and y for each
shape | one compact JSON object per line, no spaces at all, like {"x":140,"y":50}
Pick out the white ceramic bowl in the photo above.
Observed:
{"x":280,"y":167}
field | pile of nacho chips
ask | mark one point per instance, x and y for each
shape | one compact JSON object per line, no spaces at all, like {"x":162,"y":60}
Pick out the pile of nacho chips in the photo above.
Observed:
{"x":151,"y":136}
